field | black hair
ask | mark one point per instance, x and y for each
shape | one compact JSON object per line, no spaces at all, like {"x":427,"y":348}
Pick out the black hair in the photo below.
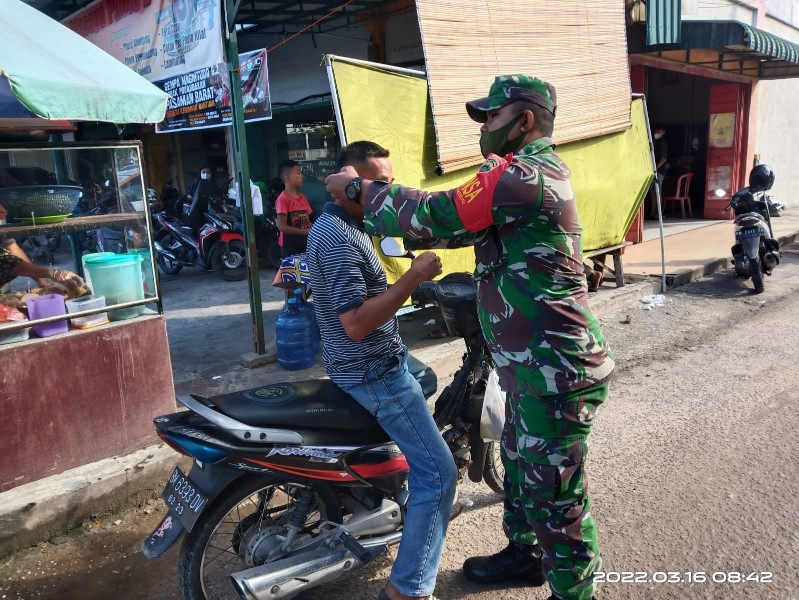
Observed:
{"x":544,"y":118}
{"x":286,"y":166}
{"x":359,"y":152}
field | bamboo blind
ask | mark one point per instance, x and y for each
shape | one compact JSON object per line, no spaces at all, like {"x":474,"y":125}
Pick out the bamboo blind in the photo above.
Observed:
{"x":578,"y":45}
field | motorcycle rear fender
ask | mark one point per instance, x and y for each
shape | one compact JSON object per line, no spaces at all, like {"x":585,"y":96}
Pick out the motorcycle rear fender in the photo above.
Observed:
{"x":229,"y":236}
{"x":163,"y":537}
{"x":211,"y":480}
{"x":751,"y":247}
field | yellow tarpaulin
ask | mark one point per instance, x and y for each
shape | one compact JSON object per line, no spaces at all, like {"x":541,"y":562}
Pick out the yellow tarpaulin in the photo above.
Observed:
{"x":610,"y":174}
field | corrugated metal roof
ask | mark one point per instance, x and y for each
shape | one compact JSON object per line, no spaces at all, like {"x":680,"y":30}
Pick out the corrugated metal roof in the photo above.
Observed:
{"x":741,"y":48}
{"x":663,"y":18}
{"x":769,"y":44}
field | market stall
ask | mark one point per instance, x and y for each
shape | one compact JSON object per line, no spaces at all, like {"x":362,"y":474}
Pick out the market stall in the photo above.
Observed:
{"x":82,"y":386}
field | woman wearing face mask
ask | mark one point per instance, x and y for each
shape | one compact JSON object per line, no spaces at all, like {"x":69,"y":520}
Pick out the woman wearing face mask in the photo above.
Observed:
{"x":205,"y":174}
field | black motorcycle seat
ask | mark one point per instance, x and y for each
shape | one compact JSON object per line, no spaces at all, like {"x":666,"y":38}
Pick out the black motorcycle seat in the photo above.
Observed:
{"x":316,"y":404}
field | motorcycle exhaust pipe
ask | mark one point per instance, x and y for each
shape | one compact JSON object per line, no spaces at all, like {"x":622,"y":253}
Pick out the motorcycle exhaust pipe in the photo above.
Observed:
{"x":161,"y":250}
{"x":288,"y":577}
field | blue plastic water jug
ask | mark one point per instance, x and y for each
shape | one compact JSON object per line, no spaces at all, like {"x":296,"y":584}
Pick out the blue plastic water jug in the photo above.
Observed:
{"x":308,"y":308}
{"x":295,"y":346}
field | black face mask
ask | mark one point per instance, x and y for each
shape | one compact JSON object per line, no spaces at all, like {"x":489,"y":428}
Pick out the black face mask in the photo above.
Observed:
{"x":497,"y":142}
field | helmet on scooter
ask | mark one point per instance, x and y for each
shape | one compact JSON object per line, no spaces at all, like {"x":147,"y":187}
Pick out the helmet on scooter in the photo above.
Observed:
{"x":761,"y":178}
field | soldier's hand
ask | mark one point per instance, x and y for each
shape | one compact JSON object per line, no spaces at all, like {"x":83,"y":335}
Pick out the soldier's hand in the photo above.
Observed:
{"x":427,"y":265}
{"x":335,"y":183}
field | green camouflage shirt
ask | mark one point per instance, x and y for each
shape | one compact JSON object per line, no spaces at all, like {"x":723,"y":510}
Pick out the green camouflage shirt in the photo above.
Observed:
{"x":520,"y":214}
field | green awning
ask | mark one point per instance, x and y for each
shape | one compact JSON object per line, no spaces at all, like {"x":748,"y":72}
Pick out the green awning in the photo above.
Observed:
{"x":663,"y":18}
{"x":56,"y":74}
{"x":739,"y":48}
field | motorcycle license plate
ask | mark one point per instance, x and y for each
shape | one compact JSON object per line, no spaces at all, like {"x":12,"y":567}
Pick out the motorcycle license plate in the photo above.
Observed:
{"x":748,"y":232}
{"x":183,"y":498}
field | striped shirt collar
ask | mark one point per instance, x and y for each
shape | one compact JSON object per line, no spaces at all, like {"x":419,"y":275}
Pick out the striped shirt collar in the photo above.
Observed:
{"x":334,"y":209}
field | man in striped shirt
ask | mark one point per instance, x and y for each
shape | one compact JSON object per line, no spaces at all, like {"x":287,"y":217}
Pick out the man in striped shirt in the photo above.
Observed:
{"x":364,"y":355}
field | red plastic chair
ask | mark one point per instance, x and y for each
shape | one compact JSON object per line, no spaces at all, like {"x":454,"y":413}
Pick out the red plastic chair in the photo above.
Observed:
{"x":680,"y":196}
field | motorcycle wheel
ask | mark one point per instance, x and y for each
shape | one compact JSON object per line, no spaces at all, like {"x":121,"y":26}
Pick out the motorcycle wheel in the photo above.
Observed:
{"x":167,"y":266}
{"x":493,"y":470}
{"x":273,"y":254}
{"x":756,"y":271}
{"x":229,"y":260}
{"x":255,"y":511}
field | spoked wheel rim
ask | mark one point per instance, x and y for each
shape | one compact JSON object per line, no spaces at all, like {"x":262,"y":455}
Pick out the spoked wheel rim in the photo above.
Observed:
{"x":258,"y":522}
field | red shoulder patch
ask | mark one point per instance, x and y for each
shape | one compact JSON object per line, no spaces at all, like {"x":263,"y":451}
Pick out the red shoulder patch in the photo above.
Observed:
{"x":474,"y":199}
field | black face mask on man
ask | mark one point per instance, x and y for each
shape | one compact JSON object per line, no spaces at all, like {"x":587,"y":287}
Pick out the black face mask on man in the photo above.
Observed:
{"x":497,"y":142}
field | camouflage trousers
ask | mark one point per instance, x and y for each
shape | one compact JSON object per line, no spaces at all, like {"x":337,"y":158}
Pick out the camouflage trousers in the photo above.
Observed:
{"x":544,"y":448}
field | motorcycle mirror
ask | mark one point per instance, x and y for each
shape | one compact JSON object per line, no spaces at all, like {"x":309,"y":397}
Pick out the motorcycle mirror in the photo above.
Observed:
{"x":391,"y":247}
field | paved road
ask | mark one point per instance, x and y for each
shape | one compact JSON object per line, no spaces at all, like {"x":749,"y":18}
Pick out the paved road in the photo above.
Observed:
{"x":692,"y":469}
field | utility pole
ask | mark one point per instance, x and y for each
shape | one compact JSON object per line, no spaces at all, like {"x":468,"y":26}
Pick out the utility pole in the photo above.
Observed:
{"x":231,"y":45}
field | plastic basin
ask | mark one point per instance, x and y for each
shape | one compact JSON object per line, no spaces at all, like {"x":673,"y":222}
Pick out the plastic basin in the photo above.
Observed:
{"x":118,"y":277}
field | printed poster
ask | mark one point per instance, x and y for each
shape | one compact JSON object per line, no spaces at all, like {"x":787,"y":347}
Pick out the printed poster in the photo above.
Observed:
{"x":158,"y":39}
{"x":201,"y":99}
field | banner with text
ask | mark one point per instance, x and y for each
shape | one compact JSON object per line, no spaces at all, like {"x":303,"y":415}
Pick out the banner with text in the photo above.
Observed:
{"x":201,"y":99}
{"x":158,"y":39}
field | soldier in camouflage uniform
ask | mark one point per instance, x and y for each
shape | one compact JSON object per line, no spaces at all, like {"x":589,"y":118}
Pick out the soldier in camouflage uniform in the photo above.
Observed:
{"x":520,"y":214}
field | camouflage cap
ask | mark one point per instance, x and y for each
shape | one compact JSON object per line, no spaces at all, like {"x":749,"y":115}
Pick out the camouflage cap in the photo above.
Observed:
{"x":510,"y":88}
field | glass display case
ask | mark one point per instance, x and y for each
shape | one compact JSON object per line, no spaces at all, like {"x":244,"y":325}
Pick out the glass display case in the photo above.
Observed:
{"x":80,"y":207}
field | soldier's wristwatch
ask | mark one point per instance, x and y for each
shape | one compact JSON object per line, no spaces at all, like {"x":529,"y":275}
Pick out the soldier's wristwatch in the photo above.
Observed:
{"x":353,"y":189}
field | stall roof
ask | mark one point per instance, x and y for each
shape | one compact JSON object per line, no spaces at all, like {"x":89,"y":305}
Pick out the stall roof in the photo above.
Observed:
{"x":729,"y":46}
{"x":56,"y":74}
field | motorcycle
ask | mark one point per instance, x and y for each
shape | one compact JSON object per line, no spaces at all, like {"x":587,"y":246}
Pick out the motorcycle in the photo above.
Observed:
{"x":102,"y":201}
{"x":294,"y":484}
{"x":41,"y":248}
{"x":267,"y":234}
{"x":218,"y":244}
{"x":756,"y":252}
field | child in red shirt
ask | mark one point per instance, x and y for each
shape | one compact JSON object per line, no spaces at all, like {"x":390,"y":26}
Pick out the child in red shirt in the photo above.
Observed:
{"x":293,"y":210}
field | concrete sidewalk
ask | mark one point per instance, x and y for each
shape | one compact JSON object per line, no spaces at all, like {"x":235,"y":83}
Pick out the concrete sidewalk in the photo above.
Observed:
{"x":209,"y":329}
{"x":697,"y":252}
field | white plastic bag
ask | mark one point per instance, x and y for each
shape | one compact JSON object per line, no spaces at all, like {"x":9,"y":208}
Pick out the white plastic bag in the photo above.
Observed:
{"x":492,"y":420}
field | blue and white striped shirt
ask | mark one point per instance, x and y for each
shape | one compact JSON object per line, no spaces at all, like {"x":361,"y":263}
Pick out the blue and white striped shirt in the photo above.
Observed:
{"x":345,"y":271}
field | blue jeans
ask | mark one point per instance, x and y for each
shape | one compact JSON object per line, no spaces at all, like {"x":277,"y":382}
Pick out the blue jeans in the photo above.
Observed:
{"x":395,"y":398}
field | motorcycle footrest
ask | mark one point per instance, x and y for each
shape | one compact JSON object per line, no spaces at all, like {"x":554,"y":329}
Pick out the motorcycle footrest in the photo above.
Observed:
{"x":363,"y":554}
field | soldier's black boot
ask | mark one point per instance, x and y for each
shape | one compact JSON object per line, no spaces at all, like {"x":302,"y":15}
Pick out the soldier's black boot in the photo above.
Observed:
{"x":517,"y":561}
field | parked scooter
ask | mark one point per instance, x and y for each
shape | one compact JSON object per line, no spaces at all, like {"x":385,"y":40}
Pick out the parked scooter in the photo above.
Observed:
{"x":104,"y":239}
{"x":41,"y":248}
{"x":295,"y":484}
{"x":218,"y":243}
{"x":756,"y":252}
{"x":267,"y":235}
